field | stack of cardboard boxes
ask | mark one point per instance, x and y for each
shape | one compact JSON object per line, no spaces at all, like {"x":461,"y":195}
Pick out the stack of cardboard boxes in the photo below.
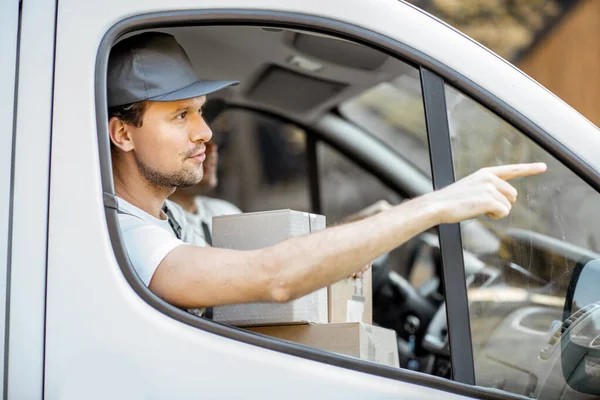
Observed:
{"x":337,"y":318}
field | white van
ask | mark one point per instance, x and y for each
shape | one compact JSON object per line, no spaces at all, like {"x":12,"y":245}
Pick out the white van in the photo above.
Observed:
{"x":383,"y":101}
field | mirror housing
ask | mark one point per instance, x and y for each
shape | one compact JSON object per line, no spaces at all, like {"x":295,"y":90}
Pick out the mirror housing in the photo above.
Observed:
{"x":580,"y":340}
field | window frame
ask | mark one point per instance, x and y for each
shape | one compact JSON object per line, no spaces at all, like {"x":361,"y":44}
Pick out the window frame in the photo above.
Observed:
{"x":451,"y":250}
{"x":345,"y":31}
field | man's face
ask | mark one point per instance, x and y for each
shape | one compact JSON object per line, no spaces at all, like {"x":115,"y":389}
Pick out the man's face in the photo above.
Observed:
{"x":169,"y":147}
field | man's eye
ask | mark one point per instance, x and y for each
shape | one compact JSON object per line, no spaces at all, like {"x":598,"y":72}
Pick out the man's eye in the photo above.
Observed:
{"x":182,"y":115}
{"x":200,"y":111}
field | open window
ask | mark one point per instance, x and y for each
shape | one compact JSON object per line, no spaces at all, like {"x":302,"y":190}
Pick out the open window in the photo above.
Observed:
{"x":312,"y":128}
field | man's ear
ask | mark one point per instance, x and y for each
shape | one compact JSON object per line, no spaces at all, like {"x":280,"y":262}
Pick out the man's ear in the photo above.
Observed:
{"x":120,"y":136}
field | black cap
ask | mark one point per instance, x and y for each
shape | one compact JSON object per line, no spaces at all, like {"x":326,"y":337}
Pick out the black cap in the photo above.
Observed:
{"x":153,"y":66}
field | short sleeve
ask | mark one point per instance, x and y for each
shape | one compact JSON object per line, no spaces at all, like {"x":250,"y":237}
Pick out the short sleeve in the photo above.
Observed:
{"x":147,"y":245}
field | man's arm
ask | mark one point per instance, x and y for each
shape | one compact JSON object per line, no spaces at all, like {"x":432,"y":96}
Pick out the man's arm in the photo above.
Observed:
{"x":194,"y":277}
{"x":368,"y":211}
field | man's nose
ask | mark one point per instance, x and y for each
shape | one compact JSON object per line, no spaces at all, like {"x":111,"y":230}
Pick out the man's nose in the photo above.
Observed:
{"x":200,"y":131}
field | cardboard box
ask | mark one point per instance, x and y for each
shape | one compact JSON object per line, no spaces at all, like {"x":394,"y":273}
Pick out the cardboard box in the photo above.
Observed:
{"x":349,"y":300}
{"x":359,"y":340}
{"x":255,"y":230}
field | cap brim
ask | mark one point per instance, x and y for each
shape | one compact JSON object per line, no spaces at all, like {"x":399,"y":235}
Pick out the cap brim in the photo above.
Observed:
{"x":200,"y":88}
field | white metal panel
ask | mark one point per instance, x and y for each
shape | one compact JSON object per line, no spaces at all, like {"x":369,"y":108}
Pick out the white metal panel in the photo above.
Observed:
{"x":30,"y":202}
{"x":9,"y":25}
{"x":102,"y":340}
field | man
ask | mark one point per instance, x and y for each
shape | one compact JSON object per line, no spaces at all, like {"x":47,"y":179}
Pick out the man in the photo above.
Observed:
{"x":159,"y":142}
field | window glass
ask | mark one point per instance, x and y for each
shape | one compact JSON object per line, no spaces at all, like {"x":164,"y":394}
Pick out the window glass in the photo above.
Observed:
{"x":518,"y":287}
{"x":262,"y":162}
{"x":393,"y":112}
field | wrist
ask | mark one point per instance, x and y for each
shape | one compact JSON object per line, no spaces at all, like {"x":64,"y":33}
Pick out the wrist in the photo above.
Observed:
{"x":434,"y":209}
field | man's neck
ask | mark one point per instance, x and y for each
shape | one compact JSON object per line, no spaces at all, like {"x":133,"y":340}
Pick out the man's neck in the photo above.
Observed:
{"x":185,"y":199}
{"x":133,"y":188}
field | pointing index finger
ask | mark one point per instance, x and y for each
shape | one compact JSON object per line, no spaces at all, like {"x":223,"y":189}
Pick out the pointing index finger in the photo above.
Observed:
{"x":512,"y":171}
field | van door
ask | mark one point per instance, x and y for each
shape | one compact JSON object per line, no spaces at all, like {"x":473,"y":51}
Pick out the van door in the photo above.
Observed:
{"x":103,"y":338}
{"x":106,"y":338}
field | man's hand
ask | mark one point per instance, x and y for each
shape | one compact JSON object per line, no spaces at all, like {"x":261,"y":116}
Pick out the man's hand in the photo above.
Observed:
{"x":485,"y":192}
{"x":359,"y":273}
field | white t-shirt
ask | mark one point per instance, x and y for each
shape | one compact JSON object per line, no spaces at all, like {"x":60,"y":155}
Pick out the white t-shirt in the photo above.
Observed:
{"x":206,"y":209}
{"x":148,"y":239}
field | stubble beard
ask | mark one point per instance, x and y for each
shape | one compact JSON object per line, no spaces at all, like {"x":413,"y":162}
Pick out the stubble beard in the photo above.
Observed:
{"x":179,"y":179}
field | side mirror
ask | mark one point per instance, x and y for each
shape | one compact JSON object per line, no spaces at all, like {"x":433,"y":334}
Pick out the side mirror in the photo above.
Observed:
{"x":580,"y":339}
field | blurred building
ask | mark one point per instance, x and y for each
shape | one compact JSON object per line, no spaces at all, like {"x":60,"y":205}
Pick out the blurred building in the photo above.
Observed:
{"x":556,"y":42}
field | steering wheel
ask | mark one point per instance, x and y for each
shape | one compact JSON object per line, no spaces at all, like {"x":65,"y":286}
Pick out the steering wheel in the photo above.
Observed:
{"x":398,"y":305}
